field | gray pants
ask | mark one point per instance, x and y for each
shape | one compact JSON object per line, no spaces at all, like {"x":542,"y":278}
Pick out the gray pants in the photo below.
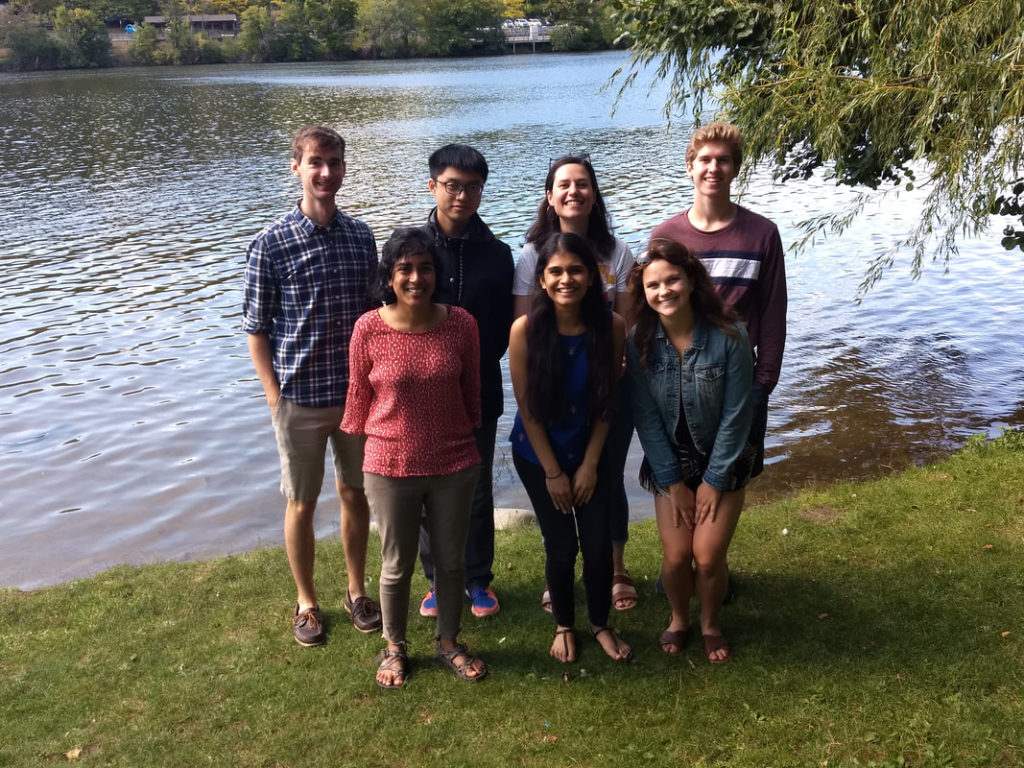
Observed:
{"x":397,"y":504}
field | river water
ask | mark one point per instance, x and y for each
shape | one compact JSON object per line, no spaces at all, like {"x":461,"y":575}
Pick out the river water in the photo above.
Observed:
{"x":132,"y":427}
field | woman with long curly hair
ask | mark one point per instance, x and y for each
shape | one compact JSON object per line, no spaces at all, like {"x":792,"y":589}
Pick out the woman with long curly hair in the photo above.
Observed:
{"x":690,"y":369}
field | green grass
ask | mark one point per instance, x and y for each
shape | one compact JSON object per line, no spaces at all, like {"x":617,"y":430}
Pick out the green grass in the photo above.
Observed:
{"x":884,"y":628}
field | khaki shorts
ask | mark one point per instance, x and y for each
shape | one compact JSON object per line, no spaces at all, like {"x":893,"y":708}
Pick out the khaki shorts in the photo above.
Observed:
{"x":302,"y":437}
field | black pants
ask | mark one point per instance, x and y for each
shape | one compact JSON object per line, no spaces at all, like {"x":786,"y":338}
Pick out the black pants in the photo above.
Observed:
{"x":586,"y":531}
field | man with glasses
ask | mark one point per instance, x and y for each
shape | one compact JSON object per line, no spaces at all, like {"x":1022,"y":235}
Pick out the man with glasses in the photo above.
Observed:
{"x":476,"y":273}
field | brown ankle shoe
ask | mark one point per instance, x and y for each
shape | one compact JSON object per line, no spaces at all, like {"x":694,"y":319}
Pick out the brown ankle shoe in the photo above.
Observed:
{"x":365,"y":613}
{"x":309,"y":626}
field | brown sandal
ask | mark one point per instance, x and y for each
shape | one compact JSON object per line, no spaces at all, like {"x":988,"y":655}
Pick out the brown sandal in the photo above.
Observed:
{"x":679,"y":638}
{"x":714,"y":643}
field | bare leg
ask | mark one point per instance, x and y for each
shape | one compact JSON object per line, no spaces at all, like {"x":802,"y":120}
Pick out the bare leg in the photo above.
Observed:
{"x":710,"y":546}
{"x":300,"y":546}
{"x":355,"y":531}
{"x":677,"y":575}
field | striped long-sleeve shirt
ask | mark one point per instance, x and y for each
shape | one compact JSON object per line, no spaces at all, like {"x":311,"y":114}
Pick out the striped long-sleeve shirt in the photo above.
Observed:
{"x":745,"y":261}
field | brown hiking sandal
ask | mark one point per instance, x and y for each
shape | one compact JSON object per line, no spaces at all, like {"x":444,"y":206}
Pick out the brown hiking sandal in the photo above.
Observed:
{"x":308,"y":626}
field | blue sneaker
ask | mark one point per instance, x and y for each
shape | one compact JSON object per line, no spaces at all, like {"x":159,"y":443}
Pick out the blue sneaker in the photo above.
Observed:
{"x":428,"y":606}
{"x":484,"y":601}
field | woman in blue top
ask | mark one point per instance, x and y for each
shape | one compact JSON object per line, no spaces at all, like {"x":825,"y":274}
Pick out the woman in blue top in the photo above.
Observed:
{"x":564,"y":359}
{"x":690,"y":369}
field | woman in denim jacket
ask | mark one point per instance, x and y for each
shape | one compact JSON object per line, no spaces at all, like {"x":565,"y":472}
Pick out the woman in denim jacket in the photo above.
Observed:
{"x":690,"y":370}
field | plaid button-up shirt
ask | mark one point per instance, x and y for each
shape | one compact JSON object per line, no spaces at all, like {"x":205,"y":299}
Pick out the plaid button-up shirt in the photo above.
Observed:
{"x":305,"y":286}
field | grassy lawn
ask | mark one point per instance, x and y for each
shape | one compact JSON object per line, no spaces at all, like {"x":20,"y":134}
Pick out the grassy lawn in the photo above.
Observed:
{"x":879,"y":624}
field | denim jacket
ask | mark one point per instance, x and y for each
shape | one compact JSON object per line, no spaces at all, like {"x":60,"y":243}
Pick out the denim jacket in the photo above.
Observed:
{"x":712,"y":381}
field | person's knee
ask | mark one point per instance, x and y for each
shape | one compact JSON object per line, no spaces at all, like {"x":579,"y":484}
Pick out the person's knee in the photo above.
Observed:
{"x":300,"y":511}
{"x":677,"y":557}
{"x":353,"y":499}
{"x":709,"y":562}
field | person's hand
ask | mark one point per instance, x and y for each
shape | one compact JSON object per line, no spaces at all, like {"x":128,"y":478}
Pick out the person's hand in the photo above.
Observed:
{"x":583,"y":483}
{"x":560,"y":491}
{"x":683,"y":505}
{"x":707,"y":503}
{"x":273,"y":397}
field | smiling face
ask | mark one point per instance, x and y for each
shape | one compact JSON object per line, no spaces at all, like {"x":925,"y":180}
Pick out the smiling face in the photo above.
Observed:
{"x":667,"y":288}
{"x":713,"y":170}
{"x":571,"y":194}
{"x":413,"y":279}
{"x":565,"y":278}
{"x":321,"y":170}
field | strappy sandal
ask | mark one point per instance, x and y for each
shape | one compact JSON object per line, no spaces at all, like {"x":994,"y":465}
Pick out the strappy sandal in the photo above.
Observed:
{"x":545,"y":601}
{"x":396,"y":662}
{"x":447,"y":657}
{"x":564,"y":634}
{"x":596,"y":633}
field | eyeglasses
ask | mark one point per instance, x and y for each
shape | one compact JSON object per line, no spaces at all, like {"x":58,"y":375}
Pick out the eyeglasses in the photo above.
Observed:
{"x":455,"y":189}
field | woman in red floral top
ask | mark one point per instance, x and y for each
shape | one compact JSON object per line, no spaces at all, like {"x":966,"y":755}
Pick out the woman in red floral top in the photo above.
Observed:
{"x":414,"y":391}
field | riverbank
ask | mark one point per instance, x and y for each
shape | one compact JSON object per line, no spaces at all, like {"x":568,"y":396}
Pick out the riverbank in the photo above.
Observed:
{"x":879,"y":624}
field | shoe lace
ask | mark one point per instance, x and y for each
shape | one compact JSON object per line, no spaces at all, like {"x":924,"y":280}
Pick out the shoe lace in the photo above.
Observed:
{"x":308,"y":617}
{"x":363,"y":606}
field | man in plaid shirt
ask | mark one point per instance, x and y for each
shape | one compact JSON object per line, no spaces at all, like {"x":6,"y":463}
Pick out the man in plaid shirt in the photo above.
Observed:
{"x":307,"y":280}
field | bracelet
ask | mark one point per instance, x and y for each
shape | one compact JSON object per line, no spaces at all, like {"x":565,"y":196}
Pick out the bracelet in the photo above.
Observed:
{"x":555,"y":477}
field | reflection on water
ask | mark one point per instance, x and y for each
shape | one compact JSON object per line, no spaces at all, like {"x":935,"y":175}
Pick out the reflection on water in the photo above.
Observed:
{"x":131,"y":425}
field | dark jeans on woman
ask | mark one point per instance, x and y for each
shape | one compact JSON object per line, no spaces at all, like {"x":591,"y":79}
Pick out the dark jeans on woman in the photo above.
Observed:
{"x":616,"y":450}
{"x":566,"y":535}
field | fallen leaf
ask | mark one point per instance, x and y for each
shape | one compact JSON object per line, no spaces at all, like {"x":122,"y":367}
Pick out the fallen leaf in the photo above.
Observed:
{"x":987,"y":546}
{"x":822,"y":615}
{"x":1006,"y":634}
{"x":73,"y":754}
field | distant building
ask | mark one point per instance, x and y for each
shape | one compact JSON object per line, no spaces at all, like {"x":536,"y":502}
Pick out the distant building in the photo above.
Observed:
{"x":215,"y":25}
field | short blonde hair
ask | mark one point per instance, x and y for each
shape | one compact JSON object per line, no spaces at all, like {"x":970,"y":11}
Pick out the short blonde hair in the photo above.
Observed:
{"x":717,"y":131}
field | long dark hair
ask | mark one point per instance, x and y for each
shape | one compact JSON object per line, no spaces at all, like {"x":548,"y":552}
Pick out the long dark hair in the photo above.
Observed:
{"x":599,"y":233}
{"x":546,"y":396}
{"x":707,"y":304}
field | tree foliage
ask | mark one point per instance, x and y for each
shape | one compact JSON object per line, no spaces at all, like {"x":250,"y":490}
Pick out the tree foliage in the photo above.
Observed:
{"x":85,"y":39}
{"x":142,"y":48}
{"x":31,"y":47}
{"x":451,"y":27}
{"x":878,"y":94}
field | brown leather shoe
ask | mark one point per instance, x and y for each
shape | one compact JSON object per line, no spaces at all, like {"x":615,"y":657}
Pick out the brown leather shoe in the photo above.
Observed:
{"x":365,"y":613}
{"x":309,"y":626}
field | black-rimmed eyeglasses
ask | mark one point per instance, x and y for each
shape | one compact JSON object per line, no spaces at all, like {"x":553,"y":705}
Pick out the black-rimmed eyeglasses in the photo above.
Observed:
{"x":455,"y":189}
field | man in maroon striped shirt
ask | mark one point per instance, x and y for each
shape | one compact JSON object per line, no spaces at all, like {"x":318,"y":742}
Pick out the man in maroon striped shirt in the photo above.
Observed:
{"x":743,"y":254}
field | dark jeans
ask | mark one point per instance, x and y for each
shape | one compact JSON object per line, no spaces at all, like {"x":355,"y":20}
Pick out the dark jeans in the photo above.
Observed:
{"x":480,"y":538}
{"x":616,"y":449}
{"x":586,"y":531}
